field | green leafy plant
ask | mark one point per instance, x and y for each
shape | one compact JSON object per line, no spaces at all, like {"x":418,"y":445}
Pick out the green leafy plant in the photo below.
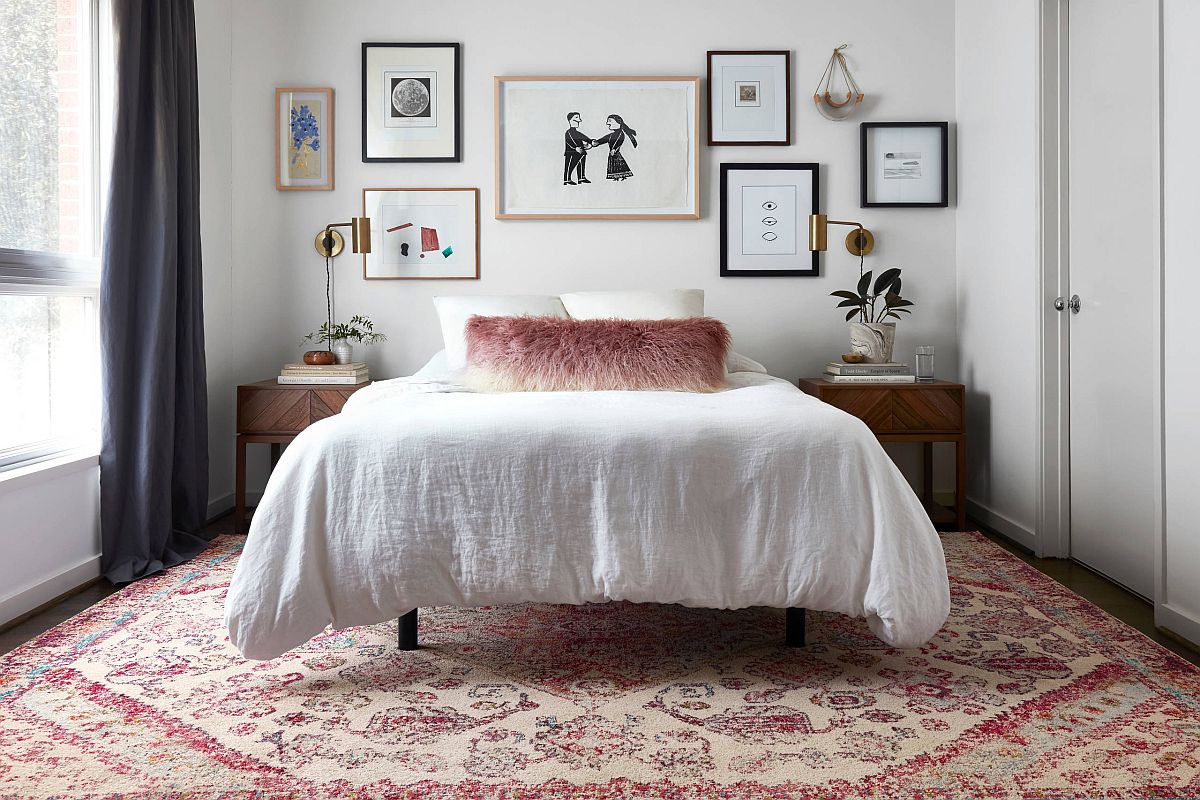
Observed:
{"x":863,"y":302}
{"x":359,"y":329}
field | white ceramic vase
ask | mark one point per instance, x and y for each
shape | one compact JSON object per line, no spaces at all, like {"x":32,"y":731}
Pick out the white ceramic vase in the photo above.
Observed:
{"x":343,"y":351}
{"x":875,"y":340}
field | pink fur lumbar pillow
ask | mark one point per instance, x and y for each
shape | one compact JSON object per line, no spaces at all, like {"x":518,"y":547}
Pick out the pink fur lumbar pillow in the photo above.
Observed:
{"x":551,"y":354}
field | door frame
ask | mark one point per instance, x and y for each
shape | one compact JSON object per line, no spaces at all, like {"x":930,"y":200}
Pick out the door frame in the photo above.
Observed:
{"x":1053,"y":390}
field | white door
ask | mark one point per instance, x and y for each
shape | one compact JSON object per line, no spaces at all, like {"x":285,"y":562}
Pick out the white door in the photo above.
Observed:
{"x":1114,"y":230}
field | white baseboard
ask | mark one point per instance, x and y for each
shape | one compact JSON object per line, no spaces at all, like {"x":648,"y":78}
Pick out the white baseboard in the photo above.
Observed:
{"x":27,"y":598}
{"x":1177,"y":623}
{"x":218,"y":506}
{"x":1003,"y":525}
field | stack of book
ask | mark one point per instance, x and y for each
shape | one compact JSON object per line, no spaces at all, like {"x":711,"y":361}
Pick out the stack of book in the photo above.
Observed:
{"x":331,"y":373}
{"x":838,"y":372}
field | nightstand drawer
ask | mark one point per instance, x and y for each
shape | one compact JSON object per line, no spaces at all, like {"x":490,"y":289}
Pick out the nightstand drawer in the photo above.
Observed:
{"x":287,"y":409}
{"x":927,"y":410}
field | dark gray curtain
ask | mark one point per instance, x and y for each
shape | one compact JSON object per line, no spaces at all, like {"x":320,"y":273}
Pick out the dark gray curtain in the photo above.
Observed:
{"x":154,"y":431}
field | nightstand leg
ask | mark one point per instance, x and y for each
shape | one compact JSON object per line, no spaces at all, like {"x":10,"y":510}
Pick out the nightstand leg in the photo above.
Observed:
{"x":276,"y":450}
{"x":407,"y":637}
{"x":927,"y":485}
{"x":239,"y":488}
{"x":960,"y":483}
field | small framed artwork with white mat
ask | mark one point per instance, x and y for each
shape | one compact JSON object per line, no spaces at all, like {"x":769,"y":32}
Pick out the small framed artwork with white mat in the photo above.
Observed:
{"x":422,"y":234}
{"x":764,"y":219}
{"x":905,"y":164}
{"x":749,"y":97}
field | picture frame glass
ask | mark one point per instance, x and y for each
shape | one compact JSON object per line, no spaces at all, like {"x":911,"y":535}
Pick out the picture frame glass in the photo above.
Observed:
{"x":422,"y":234}
{"x":904,"y":164}
{"x":764,"y":211}
{"x":410,"y":102}
{"x":304,"y":138}
{"x":749,"y":98}
{"x":596,"y":147}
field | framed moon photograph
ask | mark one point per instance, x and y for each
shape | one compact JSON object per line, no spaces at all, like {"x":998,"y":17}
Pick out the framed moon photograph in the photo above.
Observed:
{"x":764,"y":219}
{"x":410,"y":102}
{"x":422,"y":234}
{"x":904,"y":165}
{"x":749,"y":97}
{"x":303,"y":139}
{"x":597,"y":147}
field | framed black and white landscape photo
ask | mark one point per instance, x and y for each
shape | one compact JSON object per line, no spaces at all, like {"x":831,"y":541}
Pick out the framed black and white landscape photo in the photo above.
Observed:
{"x":597,"y":147}
{"x":904,"y":165}
{"x":410,"y":102}
{"x":764,"y":219}
{"x":749,"y":97}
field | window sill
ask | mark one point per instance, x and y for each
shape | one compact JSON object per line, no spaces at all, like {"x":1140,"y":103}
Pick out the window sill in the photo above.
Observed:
{"x":65,"y":464}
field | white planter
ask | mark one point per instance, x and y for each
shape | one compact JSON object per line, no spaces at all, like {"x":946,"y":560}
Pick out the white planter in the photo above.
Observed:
{"x":343,"y":351}
{"x":875,"y":340}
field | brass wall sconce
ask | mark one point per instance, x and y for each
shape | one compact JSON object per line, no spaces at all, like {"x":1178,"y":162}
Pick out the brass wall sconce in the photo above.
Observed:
{"x":859,"y":241}
{"x":330,"y":243}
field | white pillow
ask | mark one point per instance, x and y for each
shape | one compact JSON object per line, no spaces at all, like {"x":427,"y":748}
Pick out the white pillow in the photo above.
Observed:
{"x":453,"y":312}
{"x":433,"y":367}
{"x":674,"y":304}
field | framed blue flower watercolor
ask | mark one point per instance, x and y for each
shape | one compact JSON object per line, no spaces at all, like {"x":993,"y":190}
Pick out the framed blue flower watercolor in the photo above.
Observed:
{"x":304,"y":139}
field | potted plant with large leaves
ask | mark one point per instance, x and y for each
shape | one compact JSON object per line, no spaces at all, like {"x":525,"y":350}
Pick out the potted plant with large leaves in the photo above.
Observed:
{"x":874,"y":304}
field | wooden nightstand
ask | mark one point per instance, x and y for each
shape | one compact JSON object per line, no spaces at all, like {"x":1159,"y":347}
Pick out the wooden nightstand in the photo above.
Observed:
{"x":910,"y":412}
{"x":270,"y":413}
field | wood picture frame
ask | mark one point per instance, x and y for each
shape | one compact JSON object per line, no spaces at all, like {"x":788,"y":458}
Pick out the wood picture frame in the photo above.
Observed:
{"x":406,"y":93}
{"x":404,"y":234}
{"x":309,"y":123}
{"x":925,"y":190}
{"x":756,"y":66}
{"x":670,"y":131}
{"x":778,"y":231}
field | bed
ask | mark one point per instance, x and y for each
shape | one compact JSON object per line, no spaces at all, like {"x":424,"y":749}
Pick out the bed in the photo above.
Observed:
{"x":424,"y":493}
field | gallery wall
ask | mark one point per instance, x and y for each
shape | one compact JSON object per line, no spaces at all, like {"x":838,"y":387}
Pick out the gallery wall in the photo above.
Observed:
{"x":901,"y":54}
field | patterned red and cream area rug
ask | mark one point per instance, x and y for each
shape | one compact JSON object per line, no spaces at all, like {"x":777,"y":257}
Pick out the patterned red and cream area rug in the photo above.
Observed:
{"x":1029,"y":691}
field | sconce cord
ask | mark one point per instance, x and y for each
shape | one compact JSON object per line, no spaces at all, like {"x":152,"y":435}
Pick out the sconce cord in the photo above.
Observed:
{"x":328,"y":306}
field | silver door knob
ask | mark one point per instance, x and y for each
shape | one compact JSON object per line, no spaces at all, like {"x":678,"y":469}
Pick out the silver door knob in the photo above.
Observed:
{"x":1073,"y":304}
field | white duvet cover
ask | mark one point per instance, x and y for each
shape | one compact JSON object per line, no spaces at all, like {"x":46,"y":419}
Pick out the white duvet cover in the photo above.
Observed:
{"x":421,"y":493}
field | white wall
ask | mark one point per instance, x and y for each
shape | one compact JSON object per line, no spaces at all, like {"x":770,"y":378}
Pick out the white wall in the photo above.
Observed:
{"x":788,"y":323}
{"x":1178,"y":606}
{"x":996,"y":69}
{"x":214,"y":34}
{"x":50,"y":533}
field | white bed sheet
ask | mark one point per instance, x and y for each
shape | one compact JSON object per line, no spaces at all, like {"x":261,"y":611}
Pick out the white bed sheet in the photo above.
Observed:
{"x":422,"y":493}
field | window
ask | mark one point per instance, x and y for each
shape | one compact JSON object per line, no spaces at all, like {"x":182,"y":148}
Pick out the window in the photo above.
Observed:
{"x":50,"y":212}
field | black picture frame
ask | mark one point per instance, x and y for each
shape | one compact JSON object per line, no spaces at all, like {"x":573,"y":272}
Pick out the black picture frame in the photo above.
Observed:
{"x":457,"y":103}
{"x":864,"y":132}
{"x":786,"y":141}
{"x":812,"y":266}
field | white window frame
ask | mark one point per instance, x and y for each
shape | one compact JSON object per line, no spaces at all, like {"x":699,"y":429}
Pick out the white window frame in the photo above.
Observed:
{"x":35,"y":272}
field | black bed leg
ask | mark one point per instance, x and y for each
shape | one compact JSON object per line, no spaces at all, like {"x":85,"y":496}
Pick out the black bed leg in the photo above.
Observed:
{"x":795,"y":627}
{"x":408,"y":631}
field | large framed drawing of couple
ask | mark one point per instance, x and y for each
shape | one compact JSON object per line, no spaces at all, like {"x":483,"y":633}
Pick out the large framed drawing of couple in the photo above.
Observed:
{"x":597,"y":147}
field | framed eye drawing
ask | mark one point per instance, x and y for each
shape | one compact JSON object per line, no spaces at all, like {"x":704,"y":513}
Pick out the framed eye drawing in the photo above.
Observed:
{"x":411,"y":102}
{"x":764,"y":219}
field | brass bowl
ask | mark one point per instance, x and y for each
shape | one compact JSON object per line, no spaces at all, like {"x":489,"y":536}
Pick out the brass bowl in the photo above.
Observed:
{"x":853,"y":358}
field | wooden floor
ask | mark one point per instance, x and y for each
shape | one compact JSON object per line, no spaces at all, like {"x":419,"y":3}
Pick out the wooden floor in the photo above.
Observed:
{"x":1127,"y":607}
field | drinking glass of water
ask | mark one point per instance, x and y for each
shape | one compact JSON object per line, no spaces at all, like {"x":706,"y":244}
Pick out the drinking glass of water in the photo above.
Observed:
{"x":925,"y":363}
